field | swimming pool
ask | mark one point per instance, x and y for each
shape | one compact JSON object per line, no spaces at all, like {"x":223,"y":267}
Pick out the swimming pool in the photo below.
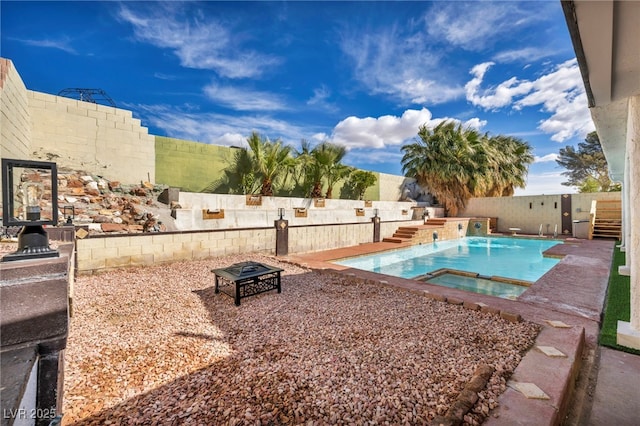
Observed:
{"x":516,"y":258}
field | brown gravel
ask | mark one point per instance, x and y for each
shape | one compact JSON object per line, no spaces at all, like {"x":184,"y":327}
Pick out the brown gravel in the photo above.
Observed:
{"x":155,"y":345}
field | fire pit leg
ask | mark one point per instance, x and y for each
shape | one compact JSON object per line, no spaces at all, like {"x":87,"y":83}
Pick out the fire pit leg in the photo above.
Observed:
{"x":237,"y":294}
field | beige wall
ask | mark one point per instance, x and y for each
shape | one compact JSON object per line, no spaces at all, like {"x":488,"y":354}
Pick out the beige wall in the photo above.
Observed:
{"x":391,"y":186}
{"x":529,"y":212}
{"x":81,"y":135}
{"x":15,"y":118}
{"x":94,"y":138}
{"x":315,"y":238}
{"x":108,"y":252}
{"x":100,"y":253}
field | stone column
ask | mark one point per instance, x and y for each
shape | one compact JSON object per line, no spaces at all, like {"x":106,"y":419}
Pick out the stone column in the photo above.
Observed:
{"x":626,"y":217}
{"x":376,"y":229}
{"x":282,"y":237}
{"x":633,"y":249}
{"x":629,"y":333}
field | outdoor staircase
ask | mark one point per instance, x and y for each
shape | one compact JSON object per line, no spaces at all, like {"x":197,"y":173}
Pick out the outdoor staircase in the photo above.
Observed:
{"x":402,"y":235}
{"x":405,"y":234}
{"x":608,"y":220}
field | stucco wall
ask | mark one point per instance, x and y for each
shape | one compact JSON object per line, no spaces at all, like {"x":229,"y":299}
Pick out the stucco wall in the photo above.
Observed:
{"x":238,"y":213}
{"x":195,"y":166}
{"x":190,"y":166}
{"x":390,"y":186}
{"x":529,"y":212}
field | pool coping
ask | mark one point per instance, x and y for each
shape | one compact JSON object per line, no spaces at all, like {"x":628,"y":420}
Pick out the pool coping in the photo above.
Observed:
{"x":571,"y":295}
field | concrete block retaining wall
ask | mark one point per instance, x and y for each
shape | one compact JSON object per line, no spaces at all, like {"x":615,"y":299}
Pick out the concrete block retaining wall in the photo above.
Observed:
{"x":98,"y":253}
{"x":115,"y":251}
{"x":238,"y":214}
{"x":315,"y":238}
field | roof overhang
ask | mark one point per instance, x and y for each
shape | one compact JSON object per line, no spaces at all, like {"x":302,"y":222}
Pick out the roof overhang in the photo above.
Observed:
{"x":607,"y":46}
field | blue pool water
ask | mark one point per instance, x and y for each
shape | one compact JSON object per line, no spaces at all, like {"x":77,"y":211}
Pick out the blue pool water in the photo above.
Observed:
{"x":479,"y":285}
{"x":516,"y":258}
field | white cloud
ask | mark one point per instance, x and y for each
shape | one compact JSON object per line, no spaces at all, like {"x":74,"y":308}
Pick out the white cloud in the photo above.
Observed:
{"x":231,"y":139}
{"x":320,"y":99}
{"x":545,"y":158}
{"x":495,"y":97}
{"x":370,"y":132}
{"x":475,"y":123}
{"x":527,"y":54}
{"x":244,"y":100}
{"x":560,"y":93}
{"x":198,"y":42}
{"x":401,"y":65}
{"x":476,"y":25}
{"x":63,"y":44}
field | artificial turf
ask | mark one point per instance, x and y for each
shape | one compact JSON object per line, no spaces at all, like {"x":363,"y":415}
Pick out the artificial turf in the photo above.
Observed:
{"x":618,"y":304}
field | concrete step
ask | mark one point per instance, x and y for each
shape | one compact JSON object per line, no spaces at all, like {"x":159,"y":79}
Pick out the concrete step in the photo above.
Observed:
{"x":395,"y":240}
{"x":409,"y":229}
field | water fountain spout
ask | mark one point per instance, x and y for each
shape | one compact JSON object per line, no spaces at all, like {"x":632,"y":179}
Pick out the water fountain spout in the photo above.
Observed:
{"x":555,"y":231}
{"x":540,"y":231}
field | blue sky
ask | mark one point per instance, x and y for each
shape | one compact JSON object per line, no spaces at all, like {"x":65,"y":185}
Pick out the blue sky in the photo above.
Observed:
{"x":362,"y":74}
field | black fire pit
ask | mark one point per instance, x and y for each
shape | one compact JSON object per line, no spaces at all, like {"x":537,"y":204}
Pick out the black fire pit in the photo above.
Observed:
{"x":245,"y":279}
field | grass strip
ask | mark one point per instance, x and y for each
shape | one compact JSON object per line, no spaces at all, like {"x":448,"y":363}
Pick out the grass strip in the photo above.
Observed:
{"x":618,"y":304}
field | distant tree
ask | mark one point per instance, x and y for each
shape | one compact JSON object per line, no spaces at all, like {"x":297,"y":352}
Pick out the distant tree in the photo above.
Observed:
{"x":360,"y":181}
{"x":587,"y":166}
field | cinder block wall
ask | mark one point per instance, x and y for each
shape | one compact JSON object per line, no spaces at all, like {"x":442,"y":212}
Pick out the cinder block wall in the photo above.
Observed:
{"x":108,"y":252}
{"x":315,"y":238}
{"x":15,"y":118}
{"x":190,"y":166}
{"x":95,"y":138}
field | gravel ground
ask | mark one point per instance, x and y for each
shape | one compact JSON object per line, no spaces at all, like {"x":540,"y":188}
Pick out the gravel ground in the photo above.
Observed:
{"x":155,"y":345}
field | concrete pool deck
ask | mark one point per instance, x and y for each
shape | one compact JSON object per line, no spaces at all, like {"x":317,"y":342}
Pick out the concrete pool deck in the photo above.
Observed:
{"x":567,"y":302}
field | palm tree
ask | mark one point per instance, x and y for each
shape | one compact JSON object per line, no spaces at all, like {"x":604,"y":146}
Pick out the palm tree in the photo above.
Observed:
{"x":457,"y":164}
{"x":441,"y":160}
{"x":241,"y":174}
{"x":302,"y":169}
{"x":325,"y":163}
{"x":515,"y":156}
{"x":271,"y":161}
{"x":334,"y":170}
